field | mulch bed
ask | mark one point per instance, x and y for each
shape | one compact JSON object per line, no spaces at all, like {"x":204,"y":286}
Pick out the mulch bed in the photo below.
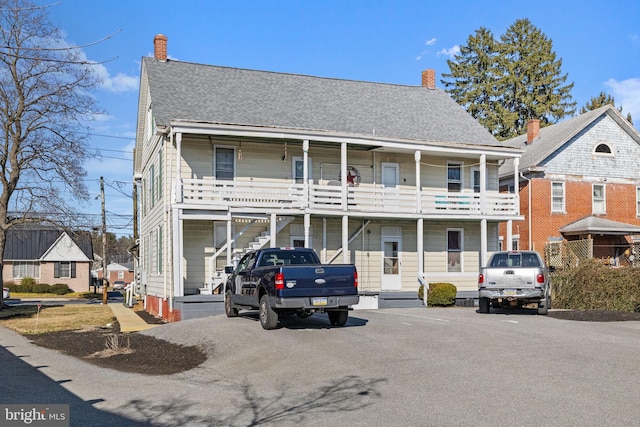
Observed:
{"x":126,"y":352}
{"x":595,"y":315}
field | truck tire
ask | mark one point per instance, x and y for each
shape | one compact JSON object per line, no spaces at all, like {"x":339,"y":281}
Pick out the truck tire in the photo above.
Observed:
{"x":483,"y":305}
{"x":338,"y":318}
{"x":544,"y":306}
{"x":268,"y":316}
{"x":229,"y":309}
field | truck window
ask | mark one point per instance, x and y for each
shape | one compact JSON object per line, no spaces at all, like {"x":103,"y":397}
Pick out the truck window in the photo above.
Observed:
{"x":499,"y":260}
{"x":530,"y":260}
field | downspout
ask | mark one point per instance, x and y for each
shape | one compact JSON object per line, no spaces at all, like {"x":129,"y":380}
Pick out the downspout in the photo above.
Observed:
{"x":528,"y":207}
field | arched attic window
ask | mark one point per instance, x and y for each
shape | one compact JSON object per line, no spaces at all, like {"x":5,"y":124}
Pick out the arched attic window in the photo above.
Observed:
{"x":603,"y":149}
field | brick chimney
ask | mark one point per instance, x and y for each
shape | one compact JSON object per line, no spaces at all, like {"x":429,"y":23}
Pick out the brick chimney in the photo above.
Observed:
{"x":429,"y":78}
{"x":533,"y":130}
{"x":160,"y":47}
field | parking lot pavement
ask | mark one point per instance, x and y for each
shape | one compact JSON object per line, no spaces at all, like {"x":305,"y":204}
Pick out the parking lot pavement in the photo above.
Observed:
{"x":418,"y":366}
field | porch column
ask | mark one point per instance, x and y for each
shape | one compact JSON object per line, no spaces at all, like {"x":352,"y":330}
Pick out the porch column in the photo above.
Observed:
{"x":272,"y":232}
{"x":178,"y":252}
{"x":483,"y":242}
{"x":516,"y":184}
{"x":229,"y":248}
{"x":483,"y":183}
{"x":420,"y":245}
{"x":307,"y":226}
{"x":509,"y":242}
{"x":345,"y":239}
{"x":418,"y":155}
{"x":179,"y":190}
{"x":343,"y":174}
{"x":324,"y":240}
{"x":305,"y":176}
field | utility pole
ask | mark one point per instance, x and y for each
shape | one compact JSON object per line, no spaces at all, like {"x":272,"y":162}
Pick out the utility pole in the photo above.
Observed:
{"x":104,"y":246}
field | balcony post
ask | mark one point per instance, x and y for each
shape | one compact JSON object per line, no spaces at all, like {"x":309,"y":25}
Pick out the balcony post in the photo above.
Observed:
{"x":343,"y":175}
{"x":418,"y":155}
{"x":345,"y":239}
{"x":516,"y":185}
{"x":305,"y":175}
{"x":483,"y":184}
{"x":179,"y":187}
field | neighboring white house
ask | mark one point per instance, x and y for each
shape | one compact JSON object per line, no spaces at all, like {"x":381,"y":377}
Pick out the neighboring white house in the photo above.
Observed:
{"x":399,"y":180}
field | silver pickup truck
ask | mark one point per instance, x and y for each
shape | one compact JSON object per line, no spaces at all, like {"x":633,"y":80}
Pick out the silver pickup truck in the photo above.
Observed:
{"x":514,"y":279}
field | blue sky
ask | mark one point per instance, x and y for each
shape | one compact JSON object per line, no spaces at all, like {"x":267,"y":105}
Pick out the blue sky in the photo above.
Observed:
{"x":379,"y":41}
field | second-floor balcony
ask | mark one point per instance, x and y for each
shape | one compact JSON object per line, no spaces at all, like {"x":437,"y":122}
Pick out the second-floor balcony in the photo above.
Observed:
{"x":266,"y":196}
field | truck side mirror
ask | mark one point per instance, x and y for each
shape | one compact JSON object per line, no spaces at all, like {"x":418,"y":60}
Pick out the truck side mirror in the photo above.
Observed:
{"x":228,"y":269}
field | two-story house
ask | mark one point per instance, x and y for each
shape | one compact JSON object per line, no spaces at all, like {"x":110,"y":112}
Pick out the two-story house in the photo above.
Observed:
{"x":398,"y":180}
{"x":578,"y":180}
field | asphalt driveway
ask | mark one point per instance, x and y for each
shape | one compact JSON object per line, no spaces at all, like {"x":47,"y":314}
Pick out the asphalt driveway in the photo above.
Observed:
{"x":409,"y":367}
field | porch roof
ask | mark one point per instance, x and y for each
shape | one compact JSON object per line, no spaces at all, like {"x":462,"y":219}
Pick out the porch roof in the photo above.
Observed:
{"x":595,"y":225}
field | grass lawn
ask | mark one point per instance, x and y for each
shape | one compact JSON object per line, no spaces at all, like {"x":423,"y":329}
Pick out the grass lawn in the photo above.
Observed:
{"x":31,"y":319}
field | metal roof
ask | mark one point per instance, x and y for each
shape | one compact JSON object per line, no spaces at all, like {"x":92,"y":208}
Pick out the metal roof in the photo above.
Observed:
{"x":32,"y":242}
{"x":596,"y":225}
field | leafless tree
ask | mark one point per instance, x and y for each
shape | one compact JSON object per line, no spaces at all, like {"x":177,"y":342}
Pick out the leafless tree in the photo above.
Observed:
{"x":46,"y":102}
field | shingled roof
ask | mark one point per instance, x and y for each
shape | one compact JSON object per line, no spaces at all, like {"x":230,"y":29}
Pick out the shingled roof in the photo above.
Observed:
{"x":552,"y":138}
{"x":186,"y":91}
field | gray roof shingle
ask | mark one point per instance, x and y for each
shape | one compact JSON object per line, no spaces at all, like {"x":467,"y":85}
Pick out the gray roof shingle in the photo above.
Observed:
{"x":31,"y":242}
{"x":552,"y":138}
{"x":223,"y":95}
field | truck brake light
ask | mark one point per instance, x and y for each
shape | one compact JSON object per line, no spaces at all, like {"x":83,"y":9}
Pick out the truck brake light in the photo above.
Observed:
{"x":540,"y":278}
{"x":480,"y":278}
{"x":279,"y":281}
{"x":355,"y":279}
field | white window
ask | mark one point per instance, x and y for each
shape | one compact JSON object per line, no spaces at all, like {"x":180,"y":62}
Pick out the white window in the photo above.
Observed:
{"x":64,"y":269}
{"x":599,"y":199}
{"x":23,"y":269}
{"x":557,"y":197}
{"x":225,"y":163}
{"x":454,"y":176}
{"x":120,"y":274}
{"x":454,"y":249}
{"x":297,"y":164}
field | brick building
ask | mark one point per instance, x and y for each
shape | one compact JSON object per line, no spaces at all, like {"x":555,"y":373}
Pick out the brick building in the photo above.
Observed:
{"x":578,"y":179}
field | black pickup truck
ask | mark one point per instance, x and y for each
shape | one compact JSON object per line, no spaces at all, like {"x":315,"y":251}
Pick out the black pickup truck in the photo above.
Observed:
{"x":281,"y":281}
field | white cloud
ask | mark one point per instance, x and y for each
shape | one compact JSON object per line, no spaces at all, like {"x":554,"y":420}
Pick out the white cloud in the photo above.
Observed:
{"x":453,"y":51}
{"x":429,"y":42}
{"x":627,"y":95}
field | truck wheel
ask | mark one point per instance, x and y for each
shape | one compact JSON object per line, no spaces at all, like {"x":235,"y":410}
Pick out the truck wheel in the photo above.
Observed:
{"x":544,"y":306}
{"x":483,"y":305}
{"x":229,"y":309}
{"x":338,"y":318}
{"x":268,"y":316}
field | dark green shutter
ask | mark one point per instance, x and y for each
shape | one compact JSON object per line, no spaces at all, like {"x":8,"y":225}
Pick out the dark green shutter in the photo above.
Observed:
{"x":56,"y":269}
{"x":73,"y":269}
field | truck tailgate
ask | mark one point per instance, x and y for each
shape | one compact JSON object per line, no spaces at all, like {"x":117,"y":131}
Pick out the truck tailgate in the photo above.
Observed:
{"x":511,"y":277}
{"x":326,"y":280}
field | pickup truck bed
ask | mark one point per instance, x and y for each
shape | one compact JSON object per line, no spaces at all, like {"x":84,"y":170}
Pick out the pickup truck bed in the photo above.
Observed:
{"x":514,"y":279}
{"x":282,"y":281}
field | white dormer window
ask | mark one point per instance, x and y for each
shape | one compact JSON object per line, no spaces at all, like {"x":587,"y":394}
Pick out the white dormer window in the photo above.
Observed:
{"x":603,"y":149}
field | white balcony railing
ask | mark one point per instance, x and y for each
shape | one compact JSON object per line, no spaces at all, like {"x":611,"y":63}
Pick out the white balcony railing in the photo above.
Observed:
{"x":365,"y":199}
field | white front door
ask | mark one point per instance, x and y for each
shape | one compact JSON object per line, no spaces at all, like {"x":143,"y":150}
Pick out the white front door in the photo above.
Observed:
{"x":391,"y":260}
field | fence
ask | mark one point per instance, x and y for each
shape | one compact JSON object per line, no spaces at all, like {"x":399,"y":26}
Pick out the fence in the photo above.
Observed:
{"x":566,"y":255}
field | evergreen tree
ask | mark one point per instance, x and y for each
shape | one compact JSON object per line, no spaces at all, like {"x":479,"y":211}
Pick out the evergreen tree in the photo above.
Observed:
{"x":472,"y":77}
{"x":516,"y":79}
{"x":601,"y":100}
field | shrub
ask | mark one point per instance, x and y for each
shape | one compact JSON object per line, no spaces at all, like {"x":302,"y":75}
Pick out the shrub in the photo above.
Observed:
{"x":441,"y":294}
{"x":421,"y":292}
{"x":41,"y":288}
{"x":60,"y":289}
{"x":27,"y":282}
{"x":593,"y":286}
